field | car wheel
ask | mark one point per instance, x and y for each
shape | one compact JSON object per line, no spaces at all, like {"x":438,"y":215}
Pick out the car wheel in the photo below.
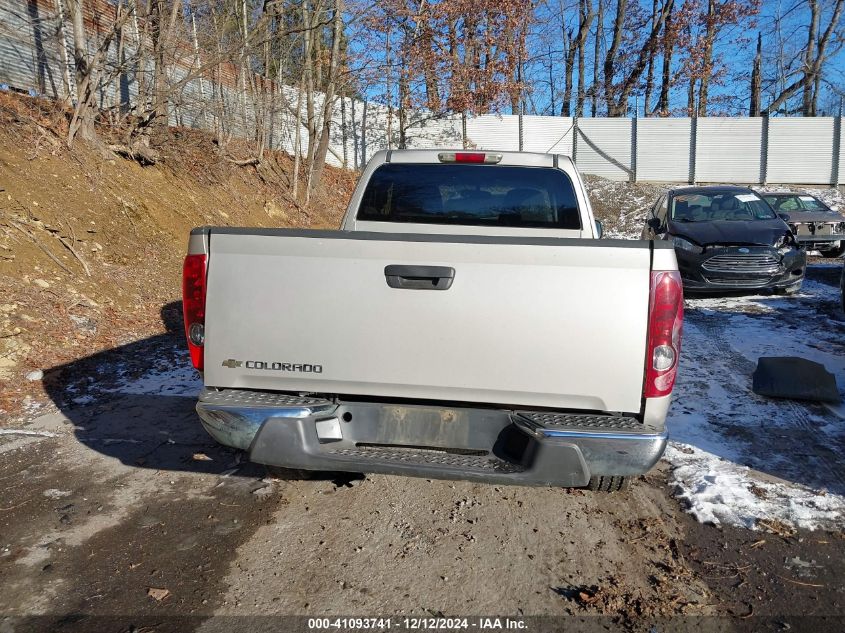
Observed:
{"x":789,"y":290}
{"x":613,"y":483}
{"x":833,"y":252}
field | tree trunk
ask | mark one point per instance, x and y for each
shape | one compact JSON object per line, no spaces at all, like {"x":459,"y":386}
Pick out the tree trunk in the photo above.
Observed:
{"x":404,"y":88}
{"x":515,"y":106}
{"x":707,"y":59}
{"x":569,"y":68}
{"x":343,"y":133}
{"x":587,"y":14}
{"x":328,"y":103}
{"x":308,"y":23}
{"x":364,"y":134}
{"x":610,"y":58}
{"x":161,"y":30}
{"x":618,"y":103}
{"x":594,"y":90}
{"x":666,"y":79}
{"x":85,"y":78}
{"x":649,"y":81}
{"x":576,"y":48}
{"x":691,"y":111}
{"x":389,"y":90}
{"x":297,"y":140}
{"x":809,"y":60}
{"x":756,"y":79}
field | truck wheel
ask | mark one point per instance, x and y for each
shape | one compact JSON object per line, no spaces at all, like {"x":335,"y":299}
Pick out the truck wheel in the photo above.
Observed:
{"x":837,"y":251}
{"x":608,"y":483}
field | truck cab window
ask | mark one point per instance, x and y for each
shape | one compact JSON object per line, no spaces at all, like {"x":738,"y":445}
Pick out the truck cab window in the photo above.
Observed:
{"x":474,"y":195}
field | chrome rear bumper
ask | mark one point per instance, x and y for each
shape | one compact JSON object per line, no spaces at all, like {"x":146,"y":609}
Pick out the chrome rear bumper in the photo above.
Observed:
{"x":518,"y":447}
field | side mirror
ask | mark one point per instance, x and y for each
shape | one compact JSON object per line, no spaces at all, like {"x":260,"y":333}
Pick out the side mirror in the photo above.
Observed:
{"x":784,"y":216}
{"x":599,"y":229}
{"x":834,"y":208}
{"x":653,"y":223}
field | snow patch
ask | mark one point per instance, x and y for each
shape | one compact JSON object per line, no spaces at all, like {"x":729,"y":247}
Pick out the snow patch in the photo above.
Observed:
{"x":717,"y":490}
{"x":739,"y":458}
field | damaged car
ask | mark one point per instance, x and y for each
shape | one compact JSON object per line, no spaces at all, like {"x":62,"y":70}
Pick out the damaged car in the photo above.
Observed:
{"x":727,"y":238}
{"x":817,"y":226}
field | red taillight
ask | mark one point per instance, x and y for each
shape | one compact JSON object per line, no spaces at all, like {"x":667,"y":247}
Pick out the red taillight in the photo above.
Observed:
{"x":193,"y":305}
{"x":479,"y":158}
{"x":469,"y":157}
{"x":665,"y":322}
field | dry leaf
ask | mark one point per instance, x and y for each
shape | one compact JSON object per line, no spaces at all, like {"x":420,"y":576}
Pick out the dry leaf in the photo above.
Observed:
{"x":201,"y":457}
{"x":158,"y":594}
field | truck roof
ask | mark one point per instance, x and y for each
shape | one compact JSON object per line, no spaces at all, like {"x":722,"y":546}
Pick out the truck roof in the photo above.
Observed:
{"x":522,"y":159}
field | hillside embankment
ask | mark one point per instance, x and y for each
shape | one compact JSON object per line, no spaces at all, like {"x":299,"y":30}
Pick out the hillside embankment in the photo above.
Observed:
{"x":91,"y":243}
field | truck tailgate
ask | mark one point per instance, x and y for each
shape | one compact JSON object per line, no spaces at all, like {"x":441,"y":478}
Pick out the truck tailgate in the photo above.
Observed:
{"x":526,"y":322}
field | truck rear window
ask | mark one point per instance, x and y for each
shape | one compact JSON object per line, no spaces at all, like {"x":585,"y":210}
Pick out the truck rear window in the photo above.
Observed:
{"x":476,"y":195}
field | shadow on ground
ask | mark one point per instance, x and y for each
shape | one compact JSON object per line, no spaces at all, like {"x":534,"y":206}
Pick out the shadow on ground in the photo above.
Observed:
{"x":136,"y":403}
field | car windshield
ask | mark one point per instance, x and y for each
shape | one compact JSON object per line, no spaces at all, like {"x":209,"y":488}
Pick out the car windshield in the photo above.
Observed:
{"x":475,"y":195}
{"x":721,"y":205}
{"x":795,"y":203}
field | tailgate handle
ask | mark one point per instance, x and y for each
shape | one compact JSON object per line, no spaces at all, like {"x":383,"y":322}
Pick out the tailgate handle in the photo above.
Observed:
{"x":419,"y":277}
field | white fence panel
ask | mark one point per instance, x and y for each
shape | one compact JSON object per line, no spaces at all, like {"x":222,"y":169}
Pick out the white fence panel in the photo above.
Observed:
{"x":493,"y":132}
{"x":663,"y":149}
{"x":546,"y":134}
{"x":800,"y":150}
{"x":604,"y":148}
{"x":427,"y":133}
{"x":728,"y":149}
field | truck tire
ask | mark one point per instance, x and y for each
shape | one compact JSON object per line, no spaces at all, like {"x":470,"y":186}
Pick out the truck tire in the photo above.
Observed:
{"x":836,"y":251}
{"x":605,"y":483}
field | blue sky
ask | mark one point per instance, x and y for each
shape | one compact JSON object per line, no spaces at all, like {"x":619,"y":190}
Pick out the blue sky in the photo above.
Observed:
{"x":735,"y":46}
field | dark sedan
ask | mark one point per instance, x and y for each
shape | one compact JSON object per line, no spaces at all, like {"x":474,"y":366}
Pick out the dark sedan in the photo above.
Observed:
{"x":727,"y":238}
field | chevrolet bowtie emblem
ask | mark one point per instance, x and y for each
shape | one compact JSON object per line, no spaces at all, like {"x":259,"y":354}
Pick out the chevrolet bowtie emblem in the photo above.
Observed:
{"x":231,"y":363}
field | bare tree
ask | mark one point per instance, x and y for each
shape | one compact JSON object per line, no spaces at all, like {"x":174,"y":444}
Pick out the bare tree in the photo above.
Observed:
{"x":88,"y":72}
{"x":617,"y":94}
{"x":576,"y":47}
{"x":815,"y":55}
{"x":599,"y":37}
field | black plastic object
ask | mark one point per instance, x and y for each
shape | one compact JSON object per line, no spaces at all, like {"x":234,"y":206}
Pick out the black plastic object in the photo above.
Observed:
{"x":794,"y":378}
{"x":419,"y":277}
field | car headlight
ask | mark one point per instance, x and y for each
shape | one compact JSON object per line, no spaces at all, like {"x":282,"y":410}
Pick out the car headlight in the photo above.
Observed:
{"x":785,"y":244}
{"x":686,"y":245}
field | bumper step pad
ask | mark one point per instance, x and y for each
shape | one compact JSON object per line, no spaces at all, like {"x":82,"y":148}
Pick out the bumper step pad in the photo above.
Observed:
{"x":579,"y":422}
{"x":430,"y":457}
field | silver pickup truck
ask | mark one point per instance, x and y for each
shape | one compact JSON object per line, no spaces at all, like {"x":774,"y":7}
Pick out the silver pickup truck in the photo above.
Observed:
{"x":466,"y":322}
